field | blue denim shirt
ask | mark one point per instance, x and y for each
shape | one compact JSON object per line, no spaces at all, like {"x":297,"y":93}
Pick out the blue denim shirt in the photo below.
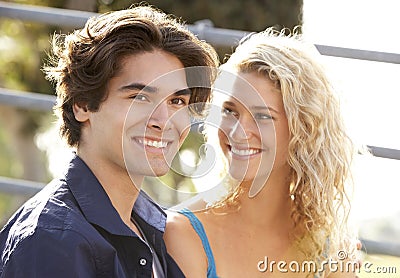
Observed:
{"x":70,"y":229}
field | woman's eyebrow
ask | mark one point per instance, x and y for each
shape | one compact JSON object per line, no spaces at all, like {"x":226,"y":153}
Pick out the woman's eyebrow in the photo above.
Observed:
{"x":254,"y":107}
{"x":230,"y":103}
{"x":264,"y":107}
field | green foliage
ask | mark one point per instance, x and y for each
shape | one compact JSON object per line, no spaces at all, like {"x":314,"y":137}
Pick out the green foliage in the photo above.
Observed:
{"x":5,"y":161}
{"x":22,"y":52}
{"x":249,"y":15}
{"x":4,"y":207}
{"x":48,"y":3}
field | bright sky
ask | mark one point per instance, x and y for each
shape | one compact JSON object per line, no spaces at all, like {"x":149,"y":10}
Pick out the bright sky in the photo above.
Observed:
{"x":370,"y":92}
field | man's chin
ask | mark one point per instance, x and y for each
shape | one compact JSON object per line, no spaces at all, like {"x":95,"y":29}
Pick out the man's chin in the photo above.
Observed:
{"x":158,"y":169}
{"x":158,"y":173}
{"x":149,"y":172}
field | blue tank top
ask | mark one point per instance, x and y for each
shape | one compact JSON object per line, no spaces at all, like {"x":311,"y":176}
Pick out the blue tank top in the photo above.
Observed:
{"x":199,"y":229}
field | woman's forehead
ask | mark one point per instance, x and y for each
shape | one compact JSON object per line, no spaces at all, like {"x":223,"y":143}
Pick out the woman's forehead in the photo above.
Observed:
{"x":247,"y":89}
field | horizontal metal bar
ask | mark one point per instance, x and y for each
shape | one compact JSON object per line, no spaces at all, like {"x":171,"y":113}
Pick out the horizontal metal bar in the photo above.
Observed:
{"x":359,"y":54}
{"x":203,"y":29}
{"x":77,"y":19}
{"x":32,"y":101}
{"x":47,"y":15}
{"x":383,"y":248}
{"x":20,"y":187}
{"x":385,"y":152}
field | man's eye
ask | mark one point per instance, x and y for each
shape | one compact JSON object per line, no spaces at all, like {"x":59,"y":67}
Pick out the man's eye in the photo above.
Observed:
{"x":139,"y":97}
{"x":178,"y":101}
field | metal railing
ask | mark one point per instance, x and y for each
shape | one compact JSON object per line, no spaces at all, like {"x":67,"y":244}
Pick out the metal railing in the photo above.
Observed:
{"x":27,"y":100}
{"x":204,"y":30}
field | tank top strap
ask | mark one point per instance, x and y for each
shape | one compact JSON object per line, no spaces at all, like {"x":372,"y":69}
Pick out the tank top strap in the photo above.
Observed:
{"x":199,"y":229}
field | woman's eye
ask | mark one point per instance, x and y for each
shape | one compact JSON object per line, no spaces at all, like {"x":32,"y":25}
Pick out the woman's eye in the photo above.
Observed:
{"x":227,"y":111}
{"x":262,"y":116}
{"x":139,"y":97}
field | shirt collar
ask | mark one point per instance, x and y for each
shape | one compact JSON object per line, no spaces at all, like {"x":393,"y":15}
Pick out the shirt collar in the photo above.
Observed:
{"x":97,"y":207}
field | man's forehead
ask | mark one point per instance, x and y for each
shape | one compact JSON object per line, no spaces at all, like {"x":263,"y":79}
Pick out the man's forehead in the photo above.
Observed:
{"x":152,"y":80}
{"x":148,"y":67}
{"x":172,"y":80}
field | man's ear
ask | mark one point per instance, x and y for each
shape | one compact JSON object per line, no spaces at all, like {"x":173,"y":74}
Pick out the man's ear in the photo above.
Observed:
{"x":81,"y":112}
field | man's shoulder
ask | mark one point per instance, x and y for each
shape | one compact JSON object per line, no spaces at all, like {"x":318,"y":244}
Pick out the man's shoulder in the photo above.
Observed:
{"x":48,"y":227}
{"x":37,"y":249}
{"x":52,"y":207}
{"x":49,"y":213}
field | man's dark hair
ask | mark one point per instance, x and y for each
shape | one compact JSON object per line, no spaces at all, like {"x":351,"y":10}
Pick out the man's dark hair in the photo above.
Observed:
{"x":85,"y":60}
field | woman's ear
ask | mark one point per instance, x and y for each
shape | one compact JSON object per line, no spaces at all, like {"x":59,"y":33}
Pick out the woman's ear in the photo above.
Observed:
{"x":81,"y":112}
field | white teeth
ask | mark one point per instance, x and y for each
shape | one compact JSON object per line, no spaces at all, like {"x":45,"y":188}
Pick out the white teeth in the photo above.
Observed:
{"x":244,"y":152}
{"x":152,"y":143}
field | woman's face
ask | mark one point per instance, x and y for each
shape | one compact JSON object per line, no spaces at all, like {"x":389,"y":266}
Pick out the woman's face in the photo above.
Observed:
{"x":254,"y":132}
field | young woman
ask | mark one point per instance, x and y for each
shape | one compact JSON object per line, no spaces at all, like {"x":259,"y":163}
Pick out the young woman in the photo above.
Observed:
{"x":282,"y":134}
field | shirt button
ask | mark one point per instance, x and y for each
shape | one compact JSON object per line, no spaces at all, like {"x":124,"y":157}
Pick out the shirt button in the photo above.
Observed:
{"x":142,"y":262}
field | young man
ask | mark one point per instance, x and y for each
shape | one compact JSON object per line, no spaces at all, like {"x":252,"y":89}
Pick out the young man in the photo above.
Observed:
{"x":123,"y":100}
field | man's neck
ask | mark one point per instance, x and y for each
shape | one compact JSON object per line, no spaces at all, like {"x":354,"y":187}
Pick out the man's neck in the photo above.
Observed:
{"x":121,"y":188}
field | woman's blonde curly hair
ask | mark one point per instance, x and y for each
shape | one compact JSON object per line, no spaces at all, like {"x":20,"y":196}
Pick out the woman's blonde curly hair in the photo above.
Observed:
{"x":319,"y":150}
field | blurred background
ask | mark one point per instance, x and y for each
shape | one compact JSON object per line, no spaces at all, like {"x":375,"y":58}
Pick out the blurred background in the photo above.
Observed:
{"x":31,"y":150}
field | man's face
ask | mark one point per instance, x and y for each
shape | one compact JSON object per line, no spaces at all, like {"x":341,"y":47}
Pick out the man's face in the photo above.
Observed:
{"x":144,"y":120}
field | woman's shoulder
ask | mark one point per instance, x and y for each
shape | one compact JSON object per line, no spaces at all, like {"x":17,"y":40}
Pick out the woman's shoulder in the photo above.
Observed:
{"x":184,"y":245}
{"x":177,"y":223}
{"x":181,"y":224}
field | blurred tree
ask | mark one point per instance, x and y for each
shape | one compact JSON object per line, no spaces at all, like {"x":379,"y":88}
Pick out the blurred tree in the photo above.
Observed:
{"x":23,"y":49}
{"x":247,"y":15}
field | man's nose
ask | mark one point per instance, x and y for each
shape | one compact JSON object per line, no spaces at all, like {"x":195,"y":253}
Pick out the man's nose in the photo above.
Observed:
{"x":160,"y":118}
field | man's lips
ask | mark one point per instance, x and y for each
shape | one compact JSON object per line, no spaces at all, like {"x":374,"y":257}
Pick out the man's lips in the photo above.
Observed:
{"x":156,"y":144}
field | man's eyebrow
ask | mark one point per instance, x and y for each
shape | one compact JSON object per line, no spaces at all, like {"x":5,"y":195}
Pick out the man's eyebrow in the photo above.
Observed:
{"x":183,"y":92}
{"x":151,"y":89}
{"x":139,"y":87}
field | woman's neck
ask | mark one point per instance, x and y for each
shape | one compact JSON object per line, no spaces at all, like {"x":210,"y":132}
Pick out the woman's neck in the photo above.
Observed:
{"x":271,"y":206}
